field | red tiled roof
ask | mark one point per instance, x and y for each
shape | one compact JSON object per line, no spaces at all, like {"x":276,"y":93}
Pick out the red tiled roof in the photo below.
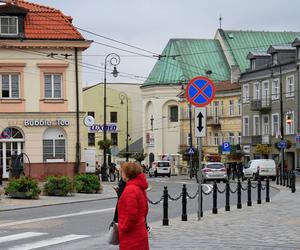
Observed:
{"x":42,"y":22}
{"x":227,"y":86}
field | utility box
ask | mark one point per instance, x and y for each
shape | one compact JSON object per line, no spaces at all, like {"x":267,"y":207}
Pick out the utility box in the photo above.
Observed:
{"x":90,"y":160}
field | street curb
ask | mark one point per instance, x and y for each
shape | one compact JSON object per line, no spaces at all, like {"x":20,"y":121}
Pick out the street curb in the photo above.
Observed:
{"x":56,"y":204}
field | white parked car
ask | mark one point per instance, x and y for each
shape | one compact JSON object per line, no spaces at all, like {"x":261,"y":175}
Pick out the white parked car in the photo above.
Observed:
{"x":213,"y":171}
{"x":160,"y":168}
{"x":260,"y":168}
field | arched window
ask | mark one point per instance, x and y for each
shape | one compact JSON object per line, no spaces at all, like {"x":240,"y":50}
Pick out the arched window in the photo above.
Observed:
{"x":54,"y":145}
{"x":11,"y":133}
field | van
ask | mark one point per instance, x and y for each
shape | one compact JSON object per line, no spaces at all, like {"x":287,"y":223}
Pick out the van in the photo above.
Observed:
{"x":260,"y":168}
{"x":160,"y":168}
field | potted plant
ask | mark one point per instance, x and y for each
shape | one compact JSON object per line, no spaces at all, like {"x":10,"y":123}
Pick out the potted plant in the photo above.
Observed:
{"x":58,"y":186}
{"x":23,"y":188}
{"x":87,"y":183}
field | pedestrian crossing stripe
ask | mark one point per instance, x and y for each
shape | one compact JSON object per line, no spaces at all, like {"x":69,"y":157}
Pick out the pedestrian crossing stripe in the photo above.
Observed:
{"x":19,"y":236}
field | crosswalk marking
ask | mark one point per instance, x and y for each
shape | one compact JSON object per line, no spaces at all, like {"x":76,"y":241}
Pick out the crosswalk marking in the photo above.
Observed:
{"x":19,"y":236}
{"x":49,"y":242}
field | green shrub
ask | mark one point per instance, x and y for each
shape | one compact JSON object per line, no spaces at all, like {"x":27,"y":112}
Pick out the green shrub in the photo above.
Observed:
{"x":58,"y":186}
{"x":87,"y":183}
{"x":24,"y":187}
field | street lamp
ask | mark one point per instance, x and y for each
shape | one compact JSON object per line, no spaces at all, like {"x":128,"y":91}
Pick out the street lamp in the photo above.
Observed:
{"x":123,"y":96}
{"x":113,"y":60}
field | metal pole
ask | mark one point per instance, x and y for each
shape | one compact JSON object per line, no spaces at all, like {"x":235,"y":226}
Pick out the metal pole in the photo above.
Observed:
{"x":190,"y":141}
{"x":77,"y":164}
{"x":127,"y":148}
{"x":281,"y":124}
{"x":199,"y":175}
{"x":104,"y":167}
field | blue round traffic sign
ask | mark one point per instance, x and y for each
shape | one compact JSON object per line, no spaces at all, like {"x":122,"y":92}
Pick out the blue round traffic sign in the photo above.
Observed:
{"x":200,"y":91}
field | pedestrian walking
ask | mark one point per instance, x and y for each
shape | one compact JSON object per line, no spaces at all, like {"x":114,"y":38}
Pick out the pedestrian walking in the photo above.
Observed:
{"x":133,"y":209}
{"x":112,"y":172}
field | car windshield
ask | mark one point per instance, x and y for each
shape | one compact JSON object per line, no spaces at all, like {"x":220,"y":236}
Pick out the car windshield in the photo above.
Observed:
{"x":215,"y":166}
{"x":163,"y":164}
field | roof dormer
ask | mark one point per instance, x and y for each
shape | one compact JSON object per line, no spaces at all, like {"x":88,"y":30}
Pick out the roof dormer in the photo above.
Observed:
{"x":296,"y":43}
{"x":258,"y":60}
{"x":282,"y":53}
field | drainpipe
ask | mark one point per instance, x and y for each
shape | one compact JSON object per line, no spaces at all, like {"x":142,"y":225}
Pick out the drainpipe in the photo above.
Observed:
{"x":77,"y":162}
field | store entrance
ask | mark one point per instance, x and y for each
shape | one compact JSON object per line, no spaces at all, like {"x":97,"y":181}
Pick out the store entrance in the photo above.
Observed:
{"x":11,"y":143}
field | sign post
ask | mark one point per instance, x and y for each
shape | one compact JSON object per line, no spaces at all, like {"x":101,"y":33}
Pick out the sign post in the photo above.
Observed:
{"x":200,"y":92}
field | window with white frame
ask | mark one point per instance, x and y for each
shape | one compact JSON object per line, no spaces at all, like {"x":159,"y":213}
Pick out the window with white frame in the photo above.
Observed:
{"x":239,"y":107}
{"x":231,"y":107}
{"x":173,"y":113}
{"x":252,"y":62}
{"x":10,"y":87}
{"x":222,"y":108}
{"x":53,"y":86}
{"x":256,"y":125}
{"x":54,"y":145}
{"x":275,"y":89}
{"x":289,"y":86}
{"x":246,"y":126}
{"x":210,"y":138}
{"x":239,"y":137}
{"x":275,"y":124}
{"x":216,"y":139}
{"x":289,"y":123}
{"x":275,"y":58}
{"x":8,"y":25}
{"x":246,"y":93}
{"x":256,"y":91}
{"x":265,"y":125}
{"x":231,"y":137}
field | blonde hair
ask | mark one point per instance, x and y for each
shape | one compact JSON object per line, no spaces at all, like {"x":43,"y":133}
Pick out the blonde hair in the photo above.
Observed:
{"x":131,"y":169}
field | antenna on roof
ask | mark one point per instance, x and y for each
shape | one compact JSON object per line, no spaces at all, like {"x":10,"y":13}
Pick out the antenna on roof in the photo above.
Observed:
{"x":220,"y":20}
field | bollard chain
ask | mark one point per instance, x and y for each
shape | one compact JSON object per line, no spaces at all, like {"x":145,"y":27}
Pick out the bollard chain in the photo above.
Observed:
{"x":221,"y":192}
{"x":254,"y":186}
{"x":233,"y":192}
{"x":244,"y":189}
{"x":175,"y":199}
{"x":155,"y":203}
{"x":192,"y":197}
{"x":208,"y":193}
{"x":263,"y":187}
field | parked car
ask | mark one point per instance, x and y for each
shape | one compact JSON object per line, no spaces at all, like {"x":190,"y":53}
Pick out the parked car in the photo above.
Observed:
{"x":213,"y":171}
{"x":260,"y":168}
{"x":160,"y":168}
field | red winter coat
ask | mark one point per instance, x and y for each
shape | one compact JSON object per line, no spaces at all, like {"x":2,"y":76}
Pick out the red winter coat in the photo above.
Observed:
{"x":132,"y":211}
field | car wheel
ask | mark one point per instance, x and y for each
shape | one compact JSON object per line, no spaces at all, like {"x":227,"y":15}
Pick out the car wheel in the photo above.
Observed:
{"x":273,"y":178}
{"x":169,"y":175}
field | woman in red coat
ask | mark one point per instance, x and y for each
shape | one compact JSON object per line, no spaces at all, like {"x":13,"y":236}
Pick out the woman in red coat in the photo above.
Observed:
{"x":133,"y":209}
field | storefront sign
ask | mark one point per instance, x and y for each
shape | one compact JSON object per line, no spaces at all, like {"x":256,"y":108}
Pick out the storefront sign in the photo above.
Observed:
{"x":109,"y":127}
{"x":45,"y":123}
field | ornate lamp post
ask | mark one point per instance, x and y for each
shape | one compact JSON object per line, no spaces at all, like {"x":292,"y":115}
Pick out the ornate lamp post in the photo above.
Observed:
{"x":113,"y":60}
{"x":123,"y":96}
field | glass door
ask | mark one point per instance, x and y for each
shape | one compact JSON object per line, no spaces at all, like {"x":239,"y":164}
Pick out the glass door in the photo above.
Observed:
{"x":7,"y":150}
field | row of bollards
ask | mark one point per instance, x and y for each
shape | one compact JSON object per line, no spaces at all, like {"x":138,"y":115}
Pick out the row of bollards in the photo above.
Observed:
{"x":288,"y":179}
{"x":215,"y":191}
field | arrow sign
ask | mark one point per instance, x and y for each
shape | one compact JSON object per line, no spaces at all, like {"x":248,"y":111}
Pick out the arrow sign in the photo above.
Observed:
{"x":200,"y":120}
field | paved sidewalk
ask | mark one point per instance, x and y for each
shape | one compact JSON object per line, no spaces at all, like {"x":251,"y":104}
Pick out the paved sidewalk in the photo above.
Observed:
{"x":7,"y":203}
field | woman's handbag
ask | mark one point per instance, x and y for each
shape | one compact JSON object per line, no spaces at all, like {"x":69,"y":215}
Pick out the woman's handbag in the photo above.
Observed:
{"x":113,"y":234}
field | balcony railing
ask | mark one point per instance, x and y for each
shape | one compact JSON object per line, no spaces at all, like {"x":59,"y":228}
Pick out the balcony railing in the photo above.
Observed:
{"x":213,"y":121}
{"x":264,"y":104}
{"x":260,"y":139}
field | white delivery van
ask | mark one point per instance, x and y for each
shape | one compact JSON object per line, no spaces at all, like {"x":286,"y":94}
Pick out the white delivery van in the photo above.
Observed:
{"x":260,"y":168}
{"x":162,"y":168}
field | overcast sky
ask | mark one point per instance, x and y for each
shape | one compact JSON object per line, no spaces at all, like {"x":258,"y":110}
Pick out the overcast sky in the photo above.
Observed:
{"x":149,"y":24}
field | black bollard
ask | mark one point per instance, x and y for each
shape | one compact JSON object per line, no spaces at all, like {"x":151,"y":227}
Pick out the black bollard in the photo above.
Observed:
{"x":201,"y":207}
{"x":280,"y":176}
{"x":277,"y":176}
{"x":239,"y":194}
{"x":268,"y":190}
{"x":293,"y":182}
{"x":184,"y":202}
{"x":258,"y":191}
{"x":165,"y":205}
{"x":288,"y":182}
{"x":227,"y":205}
{"x":284,"y":177}
{"x":249,"y":202}
{"x":215,"y":191}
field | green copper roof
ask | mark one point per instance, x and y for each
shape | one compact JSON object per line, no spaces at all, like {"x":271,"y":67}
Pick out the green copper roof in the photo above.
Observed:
{"x":239,"y":43}
{"x":183,"y":59}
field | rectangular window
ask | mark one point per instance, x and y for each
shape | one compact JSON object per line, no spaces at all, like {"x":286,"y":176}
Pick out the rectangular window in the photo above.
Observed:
{"x":53,"y":86}
{"x":173,"y":113}
{"x":113,"y":116}
{"x":289,"y":122}
{"x":252,"y":64}
{"x":8,"y":25}
{"x":114,"y":139}
{"x":289,"y":86}
{"x":239,"y":138}
{"x":231,"y":107}
{"x":10,"y":87}
{"x":265,"y":125}
{"x":216,"y":139}
{"x":275,"y":125}
{"x":231,"y":137}
{"x":91,"y":139}
{"x":275,"y":89}
{"x":54,"y":149}
{"x":246,"y":93}
{"x":239,"y":107}
{"x":222,"y":108}
{"x":216,"y":109}
{"x":91,"y":113}
{"x":256,"y":91}
{"x":246,"y":126}
{"x":256,"y":125}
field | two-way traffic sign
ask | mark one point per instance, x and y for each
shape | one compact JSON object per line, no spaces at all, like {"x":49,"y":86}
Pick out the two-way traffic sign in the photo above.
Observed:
{"x":200,"y":122}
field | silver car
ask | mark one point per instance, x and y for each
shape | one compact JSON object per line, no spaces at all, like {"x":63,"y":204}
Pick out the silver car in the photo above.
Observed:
{"x":213,"y":171}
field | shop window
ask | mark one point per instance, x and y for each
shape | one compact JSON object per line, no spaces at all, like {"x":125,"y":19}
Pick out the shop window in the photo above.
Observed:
{"x":11,"y":133}
{"x":10,"y":87}
{"x":91,"y":139}
{"x":113,"y":116}
{"x":8,"y":25}
{"x":53,"y":86}
{"x":173,"y":113}
{"x":54,"y":145}
{"x":114,"y":139}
